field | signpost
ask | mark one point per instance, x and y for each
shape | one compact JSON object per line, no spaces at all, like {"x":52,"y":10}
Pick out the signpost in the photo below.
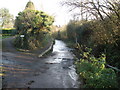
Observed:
{"x":22,"y":35}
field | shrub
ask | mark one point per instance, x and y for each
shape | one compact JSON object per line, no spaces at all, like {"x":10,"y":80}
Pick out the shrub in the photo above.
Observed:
{"x":8,"y":31}
{"x":94,"y":72}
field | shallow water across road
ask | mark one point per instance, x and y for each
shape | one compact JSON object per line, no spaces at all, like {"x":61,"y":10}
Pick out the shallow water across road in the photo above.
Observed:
{"x":53,"y":71}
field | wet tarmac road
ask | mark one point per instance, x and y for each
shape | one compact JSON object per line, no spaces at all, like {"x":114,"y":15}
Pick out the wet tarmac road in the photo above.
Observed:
{"x":28,"y":71}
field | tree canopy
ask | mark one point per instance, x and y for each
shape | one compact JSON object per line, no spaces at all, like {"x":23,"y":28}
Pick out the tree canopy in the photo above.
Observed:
{"x":34,"y":20}
{"x":6,"y":19}
{"x":30,"y":5}
{"x":34,"y":25}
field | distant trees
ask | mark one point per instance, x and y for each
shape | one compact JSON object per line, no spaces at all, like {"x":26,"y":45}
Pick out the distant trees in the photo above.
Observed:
{"x":6,"y":19}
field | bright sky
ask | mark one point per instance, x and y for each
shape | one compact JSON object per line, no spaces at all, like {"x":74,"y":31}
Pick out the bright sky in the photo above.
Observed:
{"x":52,"y":7}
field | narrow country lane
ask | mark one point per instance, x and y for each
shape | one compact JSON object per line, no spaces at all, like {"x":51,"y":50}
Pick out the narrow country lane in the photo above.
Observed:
{"x":28,"y":71}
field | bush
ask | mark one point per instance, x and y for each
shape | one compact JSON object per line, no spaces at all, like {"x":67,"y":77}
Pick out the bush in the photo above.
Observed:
{"x":35,"y":26}
{"x":8,"y":31}
{"x":94,"y":72}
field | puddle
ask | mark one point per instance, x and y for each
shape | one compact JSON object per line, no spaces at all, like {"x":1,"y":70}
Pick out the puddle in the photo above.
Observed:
{"x":7,"y":62}
{"x":55,"y":61}
{"x":57,"y":68}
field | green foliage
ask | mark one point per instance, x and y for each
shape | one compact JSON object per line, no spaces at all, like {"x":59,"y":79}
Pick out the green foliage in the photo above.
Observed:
{"x":80,"y":30}
{"x":4,"y":36}
{"x":34,"y":25}
{"x":33,"y":21}
{"x":95,"y":74}
{"x":84,"y":32}
{"x":113,"y":55}
{"x":71,"y":31}
{"x":8,"y":31}
{"x":59,"y":32}
{"x":105,"y":32}
{"x":101,"y":34}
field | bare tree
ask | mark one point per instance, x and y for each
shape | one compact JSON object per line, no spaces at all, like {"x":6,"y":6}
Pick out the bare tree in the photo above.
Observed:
{"x":98,"y":9}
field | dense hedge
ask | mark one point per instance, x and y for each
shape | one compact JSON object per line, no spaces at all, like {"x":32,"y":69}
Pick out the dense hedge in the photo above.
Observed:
{"x":8,"y":31}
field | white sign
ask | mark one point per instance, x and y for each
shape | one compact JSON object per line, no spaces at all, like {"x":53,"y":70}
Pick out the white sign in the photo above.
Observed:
{"x":22,"y":35}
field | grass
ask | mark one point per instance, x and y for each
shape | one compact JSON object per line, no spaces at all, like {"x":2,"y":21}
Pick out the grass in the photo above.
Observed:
{"x":4,"y":36}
